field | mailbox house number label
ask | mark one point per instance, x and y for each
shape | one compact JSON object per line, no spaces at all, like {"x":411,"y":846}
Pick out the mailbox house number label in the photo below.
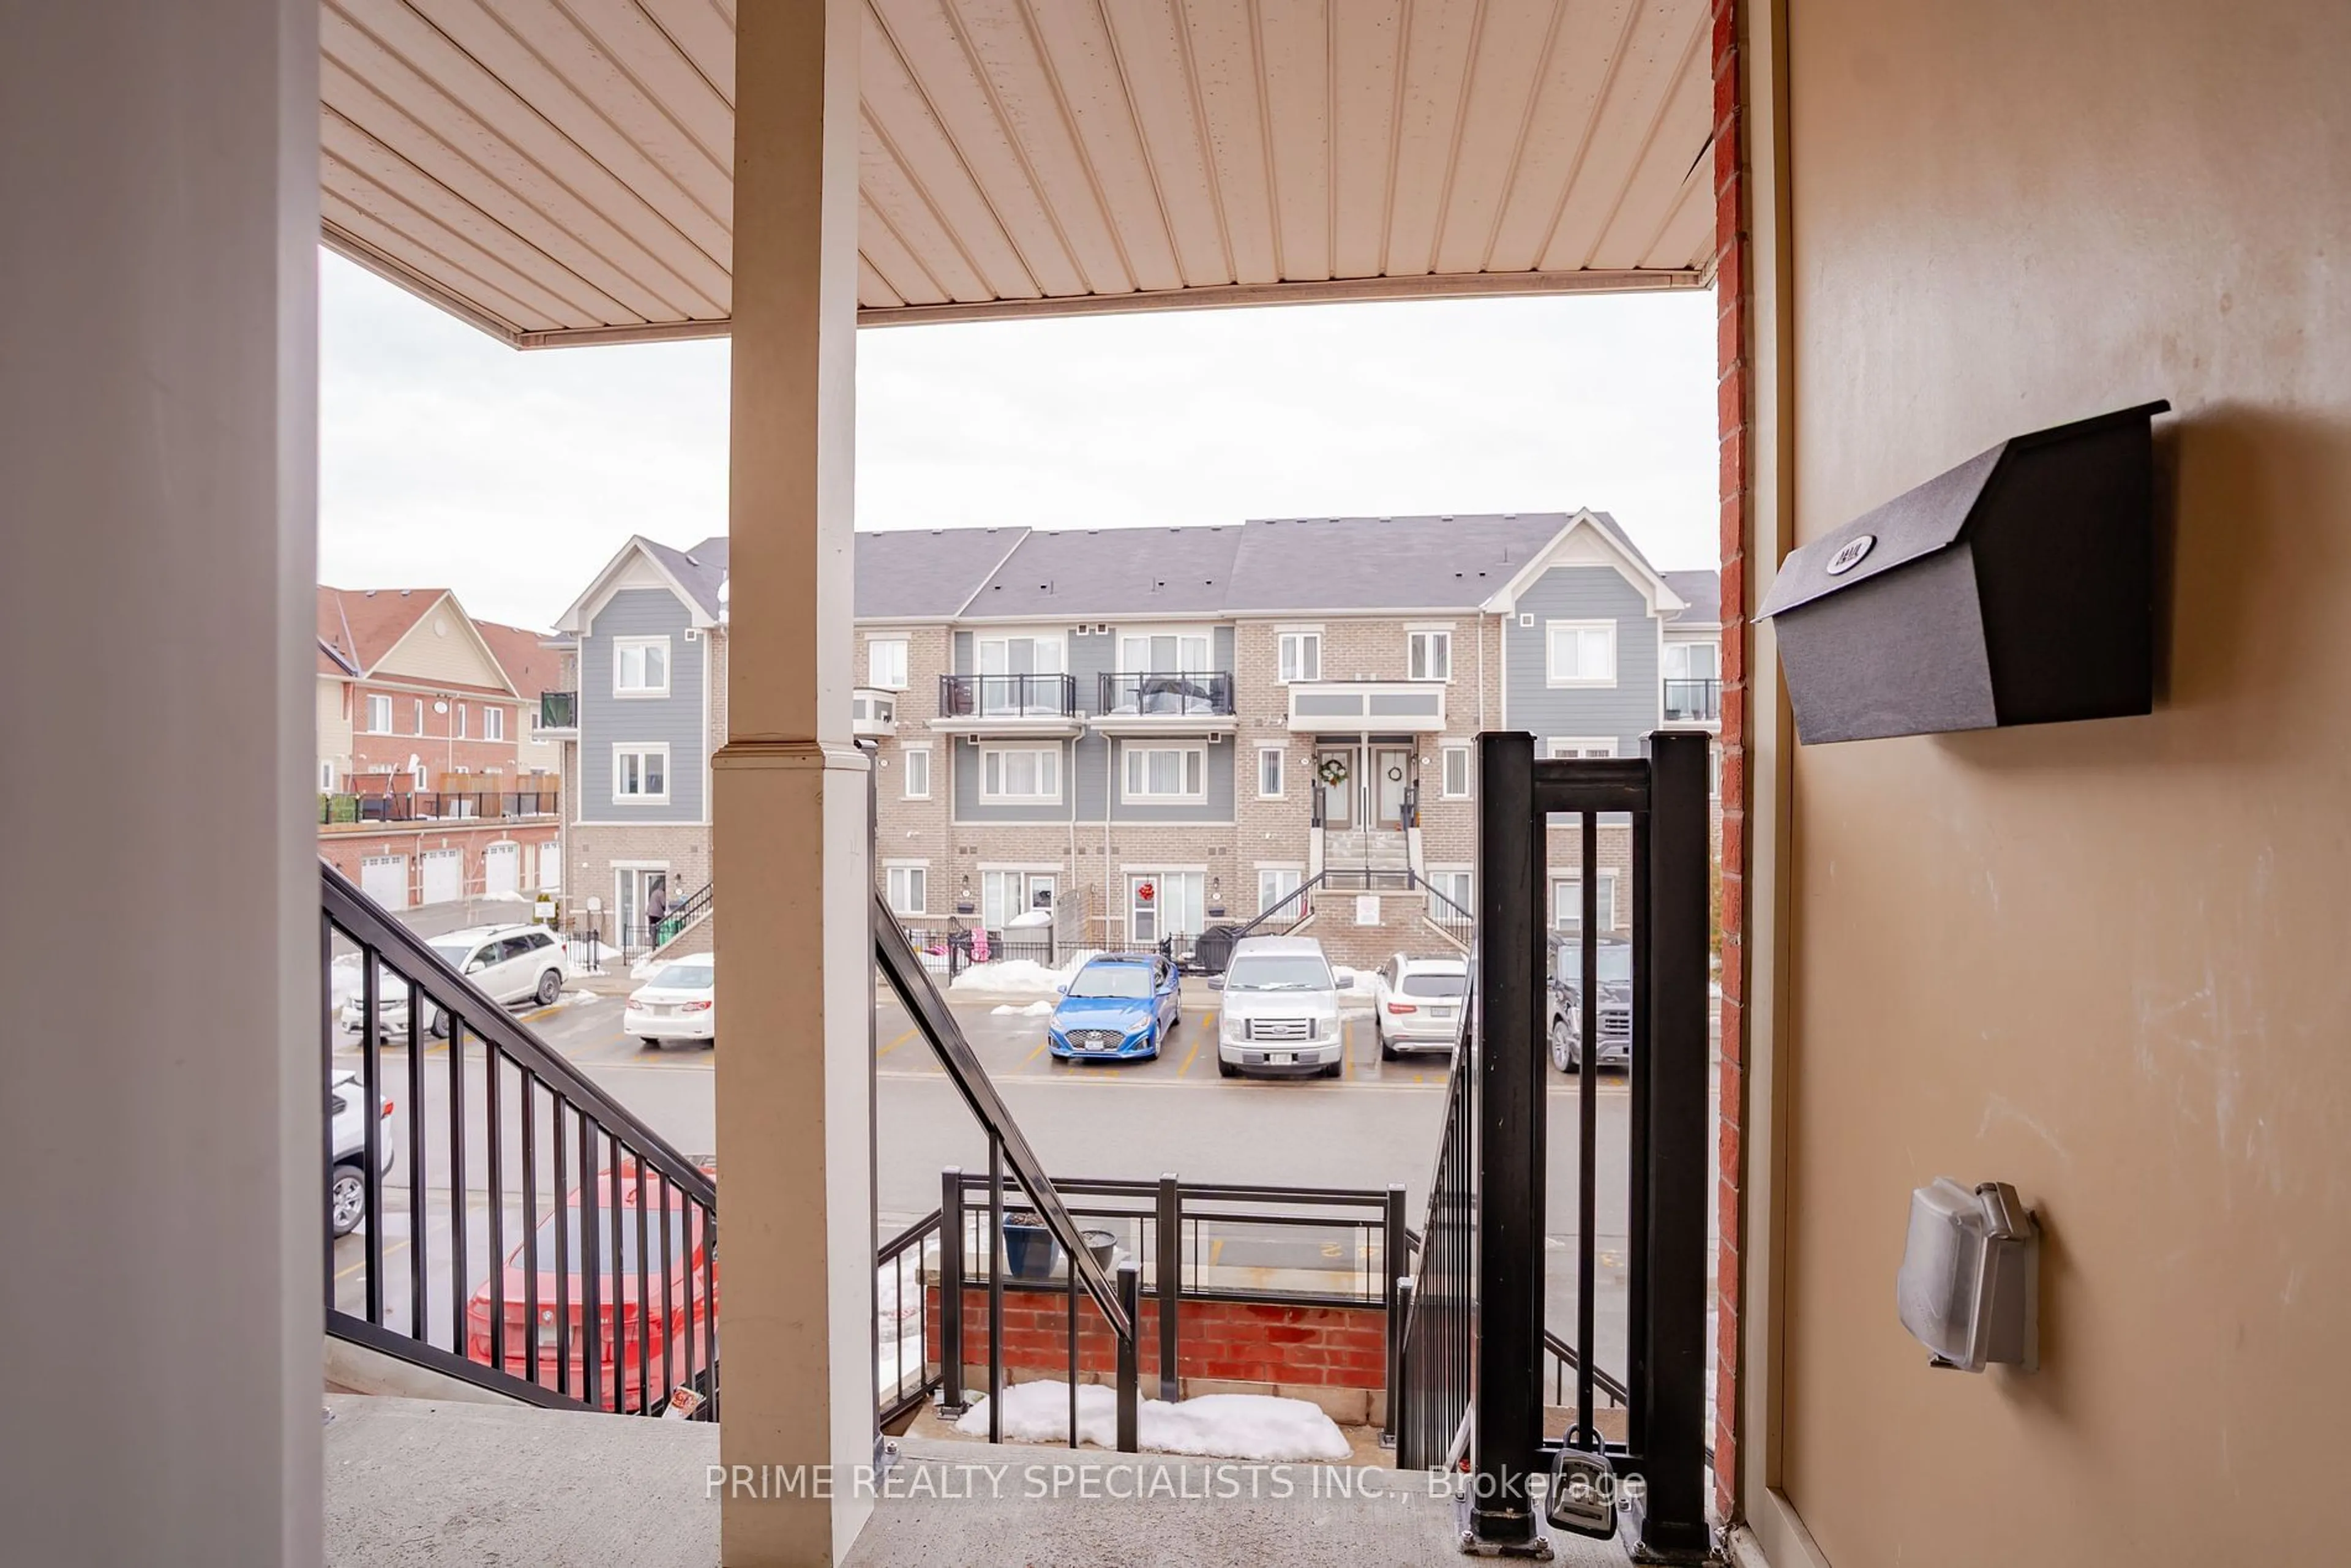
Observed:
{"x":1850,"y":554}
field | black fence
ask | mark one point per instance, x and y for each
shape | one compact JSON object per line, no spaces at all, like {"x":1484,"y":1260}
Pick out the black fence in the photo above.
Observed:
{"x":1168,"y":694}
{"x":595,"y":1286}
{"x":1008,"y":696}
{"x":903,"y":1268}
{"x":1476,"y":1347}
{"x":439,"y":806}
{"x":952,"y":948}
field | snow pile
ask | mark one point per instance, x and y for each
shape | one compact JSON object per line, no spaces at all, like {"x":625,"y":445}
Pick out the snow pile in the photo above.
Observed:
{"x":1219,"y":1425}
{"x":1036,"y":1009}
{"x":1023,"y":978}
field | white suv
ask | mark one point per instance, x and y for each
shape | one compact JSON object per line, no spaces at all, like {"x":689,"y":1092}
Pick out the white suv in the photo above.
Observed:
{"x":512,"y":963}
{"x":1281,"y":1011}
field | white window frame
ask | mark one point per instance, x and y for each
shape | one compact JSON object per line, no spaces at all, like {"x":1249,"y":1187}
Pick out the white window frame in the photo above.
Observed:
{"x":1292,"y":671}
{"x":493,"y":724}
{"x":640,"y":748}
{"x":910,"y":875}
{"x":1447,"y":752}
{"x":418,"y":776}
{"x":1285,"y":875}
{"x":1552,"y":675}
{"x":906,"y":772}
{"x":1281,"y":755}
{"x":987,"y":753}
{"x":419,"y":717}
{"x":876,"y":676}
{"x":1418,"y":648}
{"x":622,"y":648}
{"x":457,"y":722}
{"x":1129,"y":795}
{"x":326,"y":778}
{"x":1053,"y":639}
{"x":372,"y":726}
{"x":1683,"y":646}
{"x":1561,"y":880}
{"x":1558,"y":746}
{"x":1458,"y":883}
{"x":1020,"y":881}
{"x":1182,"y":666}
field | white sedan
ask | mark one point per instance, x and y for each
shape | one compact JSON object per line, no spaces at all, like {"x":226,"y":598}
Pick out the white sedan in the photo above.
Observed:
{"x":673,"y":1005}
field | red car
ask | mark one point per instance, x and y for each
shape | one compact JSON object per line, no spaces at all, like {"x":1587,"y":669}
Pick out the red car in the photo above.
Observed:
{"x":680,"y":1320}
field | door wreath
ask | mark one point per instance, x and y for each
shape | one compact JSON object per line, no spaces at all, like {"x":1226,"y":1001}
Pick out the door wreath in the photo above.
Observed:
{"x":1331,"y":770}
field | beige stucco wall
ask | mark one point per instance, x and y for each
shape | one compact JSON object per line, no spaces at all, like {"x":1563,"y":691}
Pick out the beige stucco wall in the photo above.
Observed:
{"x":2102,"y":961}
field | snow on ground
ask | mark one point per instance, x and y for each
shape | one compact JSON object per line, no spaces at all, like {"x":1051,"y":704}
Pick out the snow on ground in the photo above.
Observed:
{"x":1017,"y":978}
{"x":1036,"y":1009}
{"x":1213,"y":1425}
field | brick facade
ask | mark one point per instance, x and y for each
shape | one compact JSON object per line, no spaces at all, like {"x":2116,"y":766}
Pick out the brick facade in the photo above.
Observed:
{"x":345,"y":846}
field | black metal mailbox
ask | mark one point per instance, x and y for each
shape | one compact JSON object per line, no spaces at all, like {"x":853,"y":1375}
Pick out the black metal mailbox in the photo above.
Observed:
{"x":2016,"y":589}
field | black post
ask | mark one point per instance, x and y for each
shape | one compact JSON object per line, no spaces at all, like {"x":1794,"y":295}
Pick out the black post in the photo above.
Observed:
{"x":1129,"y":1302}
{"x":1669,"y":1521}
{"x":1392,"y":1265}
{"x":951,"y":1232}
{"x":1168,"y":1272}
{"x":995,"y":1288}
{"x":1399,"y":1350}
{"x":1507,"y":1097}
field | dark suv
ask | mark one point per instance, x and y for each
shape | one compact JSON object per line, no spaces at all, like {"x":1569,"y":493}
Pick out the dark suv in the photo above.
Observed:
{"x":1613,"y":1045}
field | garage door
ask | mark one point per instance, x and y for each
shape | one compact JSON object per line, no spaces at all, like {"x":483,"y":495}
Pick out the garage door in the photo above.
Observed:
{"x":502,"y":869}
{"x":550,"y":868}
{"x":384,"y":878}
{"x":444,"y":874}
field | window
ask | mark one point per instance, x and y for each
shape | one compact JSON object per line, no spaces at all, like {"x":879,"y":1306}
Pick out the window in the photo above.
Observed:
{"x":1162,"y":652}
{"x":1300,"y":655}
{"x":379,"y":716}
{"x":1002,"y":659}
{"x":1567,"y":903}
{"x":1166,"y":773}
{"x":917,"y":771}
{"x":641,"y":773}
{"x":909,"y":888}
{"x":1024,"y":773}
{"x":1269,"y":762}
{"x":1005,"y":896}
{"x":419,"y":717}
{"x":1163,"y":904}
{"x":417,"y":775}
{"x":327,"y":777}
{"x":1276,"y":882}
{"x":640,"y":666}
{"x":457,"y":726}
{"x":1581,"y":653}
{"x":493,"y":724}
{"x":1571,"y":746}
{"x":1456,"y":782}
{"x":1714,"y":772}
{"x":1451,"y":895}
{"x":1693,"y":662}
{"x":885,"y":664}
{"x":1430,"y":656}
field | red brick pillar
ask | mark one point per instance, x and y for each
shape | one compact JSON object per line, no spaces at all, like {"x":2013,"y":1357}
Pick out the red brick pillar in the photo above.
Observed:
{"x":1734,"y":413}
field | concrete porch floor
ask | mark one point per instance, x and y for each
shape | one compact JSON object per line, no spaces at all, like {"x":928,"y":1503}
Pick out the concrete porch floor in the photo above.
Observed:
{"x":420,"y":1482}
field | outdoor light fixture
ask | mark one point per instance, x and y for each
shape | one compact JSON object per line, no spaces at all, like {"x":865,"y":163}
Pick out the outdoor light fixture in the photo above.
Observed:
{"x":1970,"y":1289}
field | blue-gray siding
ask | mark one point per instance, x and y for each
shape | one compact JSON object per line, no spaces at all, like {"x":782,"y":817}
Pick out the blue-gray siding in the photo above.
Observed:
{"x":606,"y":720}
{"x":1628,"y":710}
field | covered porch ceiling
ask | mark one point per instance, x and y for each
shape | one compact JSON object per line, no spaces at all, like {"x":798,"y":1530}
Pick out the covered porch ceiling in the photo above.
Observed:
{"x":561,"y":171}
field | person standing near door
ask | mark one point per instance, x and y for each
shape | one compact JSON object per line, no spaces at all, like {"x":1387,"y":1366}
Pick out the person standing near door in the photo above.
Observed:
{"x":656,"y":906}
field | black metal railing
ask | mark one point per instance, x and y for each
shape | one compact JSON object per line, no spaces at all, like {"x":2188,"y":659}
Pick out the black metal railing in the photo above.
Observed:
{"x":1190,"y":1241}
{"x":952,"y":948}
{"x":1008,"y":696}
{"x":1497,"y":1132}
{"x":594,"y":1284}
{"x":1693,"y":701}
{"x":1455,"y":923}
{"x":1166,"y":693}
{"x":1116,"y":1292}
{"x":559,"y":710}
{"x":681,"y":915}
{"x":1279,"y":918}
{"x":438,"y":806}
{"x":904,"y":1267}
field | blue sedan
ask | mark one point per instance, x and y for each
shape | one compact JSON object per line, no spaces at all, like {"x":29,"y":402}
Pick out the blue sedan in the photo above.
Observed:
{"x":1120,"y":1007}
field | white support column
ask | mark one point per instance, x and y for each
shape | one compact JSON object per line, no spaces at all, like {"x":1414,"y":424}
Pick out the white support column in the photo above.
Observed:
{"x":795,"y":974}
{"x":159,"y":1132}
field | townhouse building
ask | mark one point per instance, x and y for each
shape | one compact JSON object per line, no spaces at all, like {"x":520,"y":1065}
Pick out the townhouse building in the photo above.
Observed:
{"x":1109,"y":738}
{"x":428,"y":791}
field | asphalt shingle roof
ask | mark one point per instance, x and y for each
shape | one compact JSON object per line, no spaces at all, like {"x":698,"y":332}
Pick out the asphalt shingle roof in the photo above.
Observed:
{"x":1702,"y":589}
{"x":699,"y":568}
{"x":1112,"y":571}
{"x":1383,"y":563}
{"x":926,"y":574}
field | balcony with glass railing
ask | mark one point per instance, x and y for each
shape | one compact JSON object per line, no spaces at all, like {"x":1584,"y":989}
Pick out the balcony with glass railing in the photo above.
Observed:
{"x":1693,"y":701}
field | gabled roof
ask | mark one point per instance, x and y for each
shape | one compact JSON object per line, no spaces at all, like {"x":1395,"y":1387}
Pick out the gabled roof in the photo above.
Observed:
{"x":1125,"y":572}
{"x":928,"y":574}
{"x":530,"y":668}
{"x":697,"y":575}
{"x":1702,"y":591}
{"x":1662,"y":598}
{"x":360,"y":626}
{"x":1427,"y":562}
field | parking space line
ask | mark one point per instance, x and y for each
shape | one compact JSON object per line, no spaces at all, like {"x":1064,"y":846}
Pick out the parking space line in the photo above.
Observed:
{"x":1346,"y":1051}
{"x":388,"y":1248}
{"x":1031,"y":1057}
{"x":894,"y":1045}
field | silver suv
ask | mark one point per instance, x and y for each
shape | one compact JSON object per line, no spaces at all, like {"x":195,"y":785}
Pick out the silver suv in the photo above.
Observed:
{"x":1280,"y":1012}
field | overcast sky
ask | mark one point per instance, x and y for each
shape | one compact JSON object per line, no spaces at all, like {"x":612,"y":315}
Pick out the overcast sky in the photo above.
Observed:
{"x":447,"y":460}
